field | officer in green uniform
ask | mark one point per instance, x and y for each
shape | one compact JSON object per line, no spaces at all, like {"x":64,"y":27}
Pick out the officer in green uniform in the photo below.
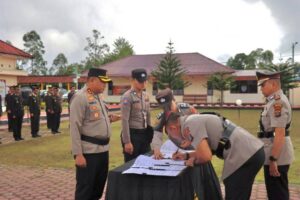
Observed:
{"x":57,"y":109}
{"x":48,"y":107}
{"x":35,"y":111}
{"x":8,"y":100}
{"x":137,"y":132}
{"x":90,"y":133}
{"x":210,"y":134}
{"x":205,"y":180}
{"x":17,"y":112}
{"x":274,"y":132}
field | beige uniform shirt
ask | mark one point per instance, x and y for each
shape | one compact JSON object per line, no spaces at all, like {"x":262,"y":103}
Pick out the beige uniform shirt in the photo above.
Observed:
{"x":243,"y":144}
{"x":135,"y":113}
{"x":88,"y":117}
{"x":271,"y":121}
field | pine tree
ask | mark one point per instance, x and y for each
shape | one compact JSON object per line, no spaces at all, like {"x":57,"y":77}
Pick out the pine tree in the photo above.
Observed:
{"x":169,"y":73}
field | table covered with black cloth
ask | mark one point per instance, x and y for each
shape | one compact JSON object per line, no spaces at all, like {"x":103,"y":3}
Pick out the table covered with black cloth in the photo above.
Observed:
{"x":144,"y":187}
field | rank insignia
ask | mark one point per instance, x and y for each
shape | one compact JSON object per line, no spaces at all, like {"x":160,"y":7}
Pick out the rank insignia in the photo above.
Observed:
{"x":277,"y":109}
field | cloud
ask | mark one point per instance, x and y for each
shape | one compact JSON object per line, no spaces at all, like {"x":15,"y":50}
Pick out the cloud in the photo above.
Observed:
{"x":287,"y":16}
{"x":212,"y":28}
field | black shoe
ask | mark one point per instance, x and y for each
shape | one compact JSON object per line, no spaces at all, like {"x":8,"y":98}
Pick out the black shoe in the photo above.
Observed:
{"x":21,"y":138}
{"x":17,"y":139}
{"x":57,"y":131}
{"x":53,"y":132}
{"x":35,"y":136}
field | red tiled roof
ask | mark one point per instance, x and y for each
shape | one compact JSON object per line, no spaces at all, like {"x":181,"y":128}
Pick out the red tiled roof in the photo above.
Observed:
{"x":194,"y":63}
{"x":6,"y":48}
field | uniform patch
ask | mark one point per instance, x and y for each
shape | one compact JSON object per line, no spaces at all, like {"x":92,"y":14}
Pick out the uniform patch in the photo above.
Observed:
{"x":125,"y":101}
{"x":277,"y":109}
{"x":93,"y":107}
{"x":186,"y":132}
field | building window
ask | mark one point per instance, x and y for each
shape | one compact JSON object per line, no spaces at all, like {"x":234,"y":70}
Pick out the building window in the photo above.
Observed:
{"x":117,"y":89}
{"x":249,"y":87}
{"x":210,"y":90}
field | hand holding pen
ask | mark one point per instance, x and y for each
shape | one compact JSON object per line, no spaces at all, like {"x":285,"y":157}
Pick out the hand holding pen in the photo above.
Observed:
{"x":178,"y":156}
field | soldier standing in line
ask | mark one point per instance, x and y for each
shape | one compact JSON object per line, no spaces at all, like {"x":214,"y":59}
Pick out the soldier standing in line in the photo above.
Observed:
{"x":35,"y":111}
{"x":57,"y":109}
{"x":8,"y":100}
{"x":274,"y":132}
{"x":70,"y":95}
{"x":137,"y":132}
{"x":48,"y":107}
{"x":90,"y":133}
{"x":17,"y":112}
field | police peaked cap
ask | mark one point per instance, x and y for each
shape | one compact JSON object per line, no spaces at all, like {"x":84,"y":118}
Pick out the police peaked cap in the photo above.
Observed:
{"x":100,"y":73}
{"x":263,"y":76}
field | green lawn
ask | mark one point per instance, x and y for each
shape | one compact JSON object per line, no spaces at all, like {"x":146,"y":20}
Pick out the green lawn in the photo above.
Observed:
{"x":54,"y":151}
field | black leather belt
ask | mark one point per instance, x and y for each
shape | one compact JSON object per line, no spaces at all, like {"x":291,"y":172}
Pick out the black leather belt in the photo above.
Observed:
{"x":270,"y":134}
{"x":95,"y":140}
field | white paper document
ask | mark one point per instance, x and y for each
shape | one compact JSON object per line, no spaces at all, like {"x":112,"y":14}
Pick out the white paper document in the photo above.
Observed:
{"x":169,"y":148}
{"x":146,"y":165}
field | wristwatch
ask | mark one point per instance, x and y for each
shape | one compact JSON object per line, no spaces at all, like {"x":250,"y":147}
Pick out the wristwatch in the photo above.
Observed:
{"x":272,"y":158}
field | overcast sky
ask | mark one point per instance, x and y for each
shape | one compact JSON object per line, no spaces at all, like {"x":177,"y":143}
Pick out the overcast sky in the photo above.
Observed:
{"x":215,"y":28}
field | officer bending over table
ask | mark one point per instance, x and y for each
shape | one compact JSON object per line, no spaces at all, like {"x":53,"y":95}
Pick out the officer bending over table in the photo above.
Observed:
{"x":210,"y":134}
{"x":205,"y":181}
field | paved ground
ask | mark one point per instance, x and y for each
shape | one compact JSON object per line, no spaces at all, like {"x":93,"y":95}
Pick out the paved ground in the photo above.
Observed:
{"x":29,"y":183}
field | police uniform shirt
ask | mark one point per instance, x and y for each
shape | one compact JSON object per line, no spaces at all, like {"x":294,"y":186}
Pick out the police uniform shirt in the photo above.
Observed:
{"x":157,"y":141}
{"x":89,"y":117}
{"x":135,"y":113}
{"x":271,"y":119}
{"x":243,"y":144}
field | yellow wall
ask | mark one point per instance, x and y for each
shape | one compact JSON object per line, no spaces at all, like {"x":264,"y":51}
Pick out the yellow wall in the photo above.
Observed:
{"x":295,"y":96}
{"x":7,"y":63}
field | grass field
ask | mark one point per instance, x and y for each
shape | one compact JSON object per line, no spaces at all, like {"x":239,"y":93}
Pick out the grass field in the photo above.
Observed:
{"x":54,"y":151}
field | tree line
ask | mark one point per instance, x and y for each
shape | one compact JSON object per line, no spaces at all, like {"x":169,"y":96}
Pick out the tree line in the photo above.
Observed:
{"x":98,"y":53}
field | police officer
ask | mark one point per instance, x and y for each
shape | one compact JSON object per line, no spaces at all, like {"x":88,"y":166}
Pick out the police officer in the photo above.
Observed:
{"x":17,"y":112}
{"x":57,"y":109}
{"x":49,"y":107}
{"x":8,"y":100}
{"x":243,"y":154}
{"x":205,"y":180}
{"x":136,"y":123}
{"x":90,"y":133}
{"x":274,"y":124}
{"x":35,"y":111}
{"x":166,"y":100}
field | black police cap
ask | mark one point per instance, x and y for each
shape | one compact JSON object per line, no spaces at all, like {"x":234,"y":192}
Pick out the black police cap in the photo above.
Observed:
{"x":100,"y":73}
{"x":164,"y":96}
{"x":139,"y":74}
